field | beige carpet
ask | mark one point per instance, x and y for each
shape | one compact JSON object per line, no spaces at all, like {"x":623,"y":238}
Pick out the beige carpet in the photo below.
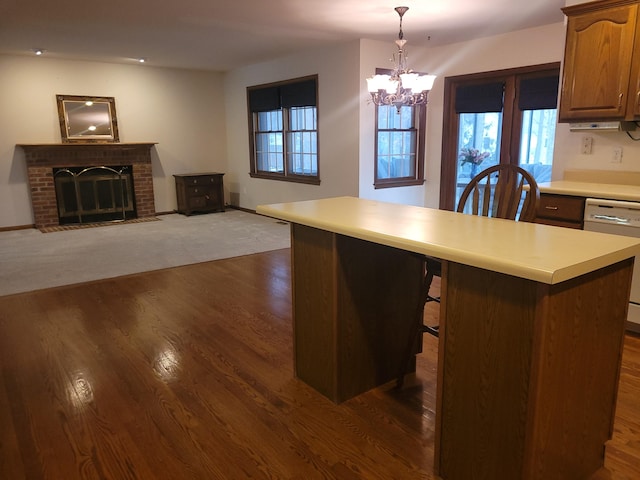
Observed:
{"x":32,"y":260}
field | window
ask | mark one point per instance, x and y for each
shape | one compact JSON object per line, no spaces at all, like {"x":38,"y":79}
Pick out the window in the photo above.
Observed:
{"x":498,"y":117}
{"x":283,"y":125}
{"x":537,"y":99}
{"x":399,"y":148}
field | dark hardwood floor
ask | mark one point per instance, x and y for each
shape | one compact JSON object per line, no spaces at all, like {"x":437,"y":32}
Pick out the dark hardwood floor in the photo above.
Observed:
{"x":187,"y":373}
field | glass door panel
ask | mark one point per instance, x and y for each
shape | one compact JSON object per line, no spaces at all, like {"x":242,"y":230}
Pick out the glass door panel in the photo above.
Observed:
{"x":479,"y":137}
{"x":536,"y":143}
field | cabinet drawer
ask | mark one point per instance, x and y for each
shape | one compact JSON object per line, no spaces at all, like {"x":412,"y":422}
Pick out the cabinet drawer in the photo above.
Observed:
{"x":195,"y":191}
{"x":202,"y":180}
{"x":559,"y":223}
{"x":561,"y":207}
{"x":197,"y":202}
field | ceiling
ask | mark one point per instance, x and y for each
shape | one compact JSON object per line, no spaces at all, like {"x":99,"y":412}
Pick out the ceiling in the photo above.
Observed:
{"x":221,"y":35}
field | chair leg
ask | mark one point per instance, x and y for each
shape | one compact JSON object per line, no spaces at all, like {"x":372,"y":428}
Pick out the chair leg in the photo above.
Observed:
{"x":417,"y":326}
{"x":433,"y":330}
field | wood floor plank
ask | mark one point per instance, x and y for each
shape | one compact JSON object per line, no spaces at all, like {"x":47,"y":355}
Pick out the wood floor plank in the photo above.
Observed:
{"x":187,"y":373}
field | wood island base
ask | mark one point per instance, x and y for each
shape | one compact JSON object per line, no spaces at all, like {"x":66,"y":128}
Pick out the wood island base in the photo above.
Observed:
{"x":353,"y":307}
{"x":527,"y":371}
{"x":531,"y":328}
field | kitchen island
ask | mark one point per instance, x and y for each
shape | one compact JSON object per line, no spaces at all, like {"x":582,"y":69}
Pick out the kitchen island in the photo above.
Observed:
{"x":531,"y":327}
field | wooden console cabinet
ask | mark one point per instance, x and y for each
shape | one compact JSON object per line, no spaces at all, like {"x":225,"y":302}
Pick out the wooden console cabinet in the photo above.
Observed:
{"x":200,"y":192}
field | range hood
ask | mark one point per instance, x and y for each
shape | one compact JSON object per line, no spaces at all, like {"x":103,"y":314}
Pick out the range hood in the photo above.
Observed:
{"x":603,"y":126}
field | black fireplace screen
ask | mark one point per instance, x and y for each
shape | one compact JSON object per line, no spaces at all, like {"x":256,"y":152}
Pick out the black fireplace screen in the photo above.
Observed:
{"x":94,"y":194}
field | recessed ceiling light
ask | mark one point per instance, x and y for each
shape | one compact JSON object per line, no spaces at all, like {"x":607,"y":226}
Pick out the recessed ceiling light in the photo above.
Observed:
{"x":142,"y":60}
{"x":38,"y":51}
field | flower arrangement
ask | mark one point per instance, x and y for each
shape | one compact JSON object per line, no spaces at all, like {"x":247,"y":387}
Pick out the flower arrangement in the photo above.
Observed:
{"x":472,"y":156}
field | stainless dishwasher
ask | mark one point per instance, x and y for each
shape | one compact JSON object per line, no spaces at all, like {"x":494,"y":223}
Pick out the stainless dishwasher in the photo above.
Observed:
{"x":618,"y":218}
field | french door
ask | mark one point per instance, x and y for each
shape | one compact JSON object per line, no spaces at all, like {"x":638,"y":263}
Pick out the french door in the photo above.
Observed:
{"x":506,"y":116}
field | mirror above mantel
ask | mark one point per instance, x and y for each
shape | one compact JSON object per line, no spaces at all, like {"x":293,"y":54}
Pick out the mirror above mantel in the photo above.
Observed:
{"x":87,"y":119}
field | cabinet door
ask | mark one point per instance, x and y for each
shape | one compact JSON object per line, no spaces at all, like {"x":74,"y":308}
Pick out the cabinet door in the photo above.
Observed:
{"x":214,"y":200}
{"x":597,"y":66}
{"x":196,"y":201}
{"x":634,"y":95}
{"x":633,"y":99}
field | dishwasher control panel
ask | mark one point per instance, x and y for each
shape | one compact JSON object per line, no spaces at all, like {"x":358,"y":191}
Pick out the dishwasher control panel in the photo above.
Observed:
{"x":613,"y":212}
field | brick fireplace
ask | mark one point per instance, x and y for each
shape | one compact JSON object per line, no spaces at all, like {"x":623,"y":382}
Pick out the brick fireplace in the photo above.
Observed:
{"x":43,"y":158}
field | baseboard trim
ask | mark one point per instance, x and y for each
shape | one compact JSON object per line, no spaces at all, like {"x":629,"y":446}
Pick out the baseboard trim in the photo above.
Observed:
{"x":17,"y":227}
{"x":236,"y":207}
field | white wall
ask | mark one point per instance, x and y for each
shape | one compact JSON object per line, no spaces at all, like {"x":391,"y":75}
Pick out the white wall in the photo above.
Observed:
{"x":338,"y":106}
{"x":199,"y":119}
{"x":375,"y":54}
{"x":179,"y":109}
{"x":525,"y":47}
{"x":568,"y":156}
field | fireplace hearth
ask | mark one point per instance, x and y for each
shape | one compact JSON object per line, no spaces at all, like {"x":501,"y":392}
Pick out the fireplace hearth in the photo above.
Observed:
{"x":45,"y":161}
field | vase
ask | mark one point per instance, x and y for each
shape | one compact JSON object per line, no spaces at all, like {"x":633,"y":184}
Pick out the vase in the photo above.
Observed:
{"x":474,"y":169}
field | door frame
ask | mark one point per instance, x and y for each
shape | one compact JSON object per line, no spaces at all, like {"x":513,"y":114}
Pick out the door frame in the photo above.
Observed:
{"x":511,"y":121}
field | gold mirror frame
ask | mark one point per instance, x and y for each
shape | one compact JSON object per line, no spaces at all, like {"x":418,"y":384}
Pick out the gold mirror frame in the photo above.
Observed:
{"x":87,"y":119}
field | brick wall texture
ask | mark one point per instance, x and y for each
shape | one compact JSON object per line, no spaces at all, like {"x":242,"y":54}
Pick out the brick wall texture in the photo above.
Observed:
{"x":42,"y":159}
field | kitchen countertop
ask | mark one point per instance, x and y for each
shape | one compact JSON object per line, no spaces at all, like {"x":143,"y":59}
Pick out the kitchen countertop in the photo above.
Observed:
{"x":611,"y":191}
{"x":608,"y":184}
{"x":536,"y":252}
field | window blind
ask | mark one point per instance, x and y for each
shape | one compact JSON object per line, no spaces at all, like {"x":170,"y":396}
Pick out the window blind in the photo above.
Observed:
{"x":264,"y":99}
{"x":540,"y":93}
{"x":478,"y":98}
{"x":286,"y":95}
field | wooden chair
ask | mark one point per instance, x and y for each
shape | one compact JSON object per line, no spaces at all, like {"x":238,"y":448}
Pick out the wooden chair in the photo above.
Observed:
{"x":501,"y":191}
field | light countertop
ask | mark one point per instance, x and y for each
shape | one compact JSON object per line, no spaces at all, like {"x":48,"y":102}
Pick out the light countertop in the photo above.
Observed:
{"x":607,"y":184}
{"x":536,"y":252}
{"x":611,"y":191}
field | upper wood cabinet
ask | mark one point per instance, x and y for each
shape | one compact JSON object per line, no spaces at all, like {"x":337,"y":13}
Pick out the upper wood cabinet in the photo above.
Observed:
{"x":601,"y":74}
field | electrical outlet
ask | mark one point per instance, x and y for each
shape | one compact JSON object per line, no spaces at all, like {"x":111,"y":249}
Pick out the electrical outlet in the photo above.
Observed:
{"x":587,"y":145}
{"x":617,"y":155}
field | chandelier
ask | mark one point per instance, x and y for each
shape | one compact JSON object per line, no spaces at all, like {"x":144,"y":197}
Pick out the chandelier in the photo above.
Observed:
{"x":403,"y":86}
